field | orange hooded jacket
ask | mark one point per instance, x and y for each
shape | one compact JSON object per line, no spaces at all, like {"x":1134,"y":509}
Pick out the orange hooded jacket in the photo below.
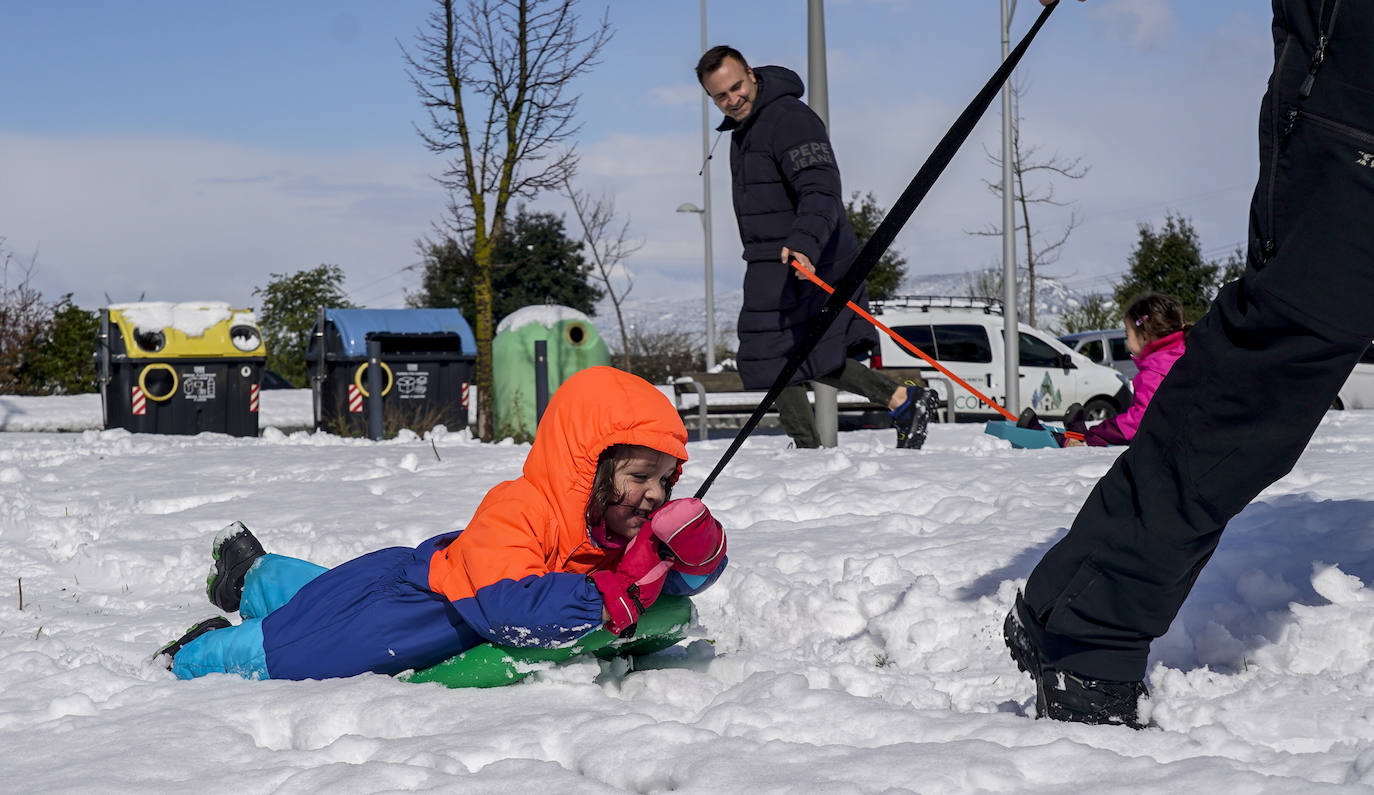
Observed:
{"x":516,"y":573}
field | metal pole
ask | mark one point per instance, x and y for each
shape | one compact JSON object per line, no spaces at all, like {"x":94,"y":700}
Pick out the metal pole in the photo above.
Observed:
{"x":1011,"y":329}
{"x":818,"y":97}
{"x":374,"y":389}
{"x":817,"y":88}
{"x":706,"y":213}
{"x":317,"y":377}
{"x":541,"y":380}
{"x":103,"y":366}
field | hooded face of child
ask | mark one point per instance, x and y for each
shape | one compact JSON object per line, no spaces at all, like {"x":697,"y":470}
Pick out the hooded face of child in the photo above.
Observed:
{"x":642,"y":478}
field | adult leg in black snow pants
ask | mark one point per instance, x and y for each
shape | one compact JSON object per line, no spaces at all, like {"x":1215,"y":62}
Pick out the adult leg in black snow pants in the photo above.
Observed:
{"x":1261,"y":368}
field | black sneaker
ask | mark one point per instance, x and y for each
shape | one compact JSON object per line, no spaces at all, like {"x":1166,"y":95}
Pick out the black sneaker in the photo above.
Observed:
{"x":1075,"y":420}
{"x":1065,"y":695}
{"x":196,"y":630}
{"x":912,"y":418}
{"x":234,"y":550}
{"x":1029,"y":419}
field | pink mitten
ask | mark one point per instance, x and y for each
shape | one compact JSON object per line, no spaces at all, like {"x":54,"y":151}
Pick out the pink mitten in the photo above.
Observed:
{"x":633,"y":585}
{"x":691,"y":533}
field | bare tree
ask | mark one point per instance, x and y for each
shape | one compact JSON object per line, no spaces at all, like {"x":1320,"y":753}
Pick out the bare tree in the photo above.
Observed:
{"x":25,"y":321}
{"x":986,"y":283}
{"x":609,"y":247}
{"x":1025,"y":161}
{"x":493,"y":76}
{"x":1096,"y":311}
{"x":661,"y":352}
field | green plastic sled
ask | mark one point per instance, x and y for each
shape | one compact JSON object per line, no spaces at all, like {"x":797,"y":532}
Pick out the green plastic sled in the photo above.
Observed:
{"x":489,"y":665}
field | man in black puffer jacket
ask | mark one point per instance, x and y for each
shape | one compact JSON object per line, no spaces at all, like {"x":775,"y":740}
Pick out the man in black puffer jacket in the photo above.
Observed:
{"x":789,"y":204}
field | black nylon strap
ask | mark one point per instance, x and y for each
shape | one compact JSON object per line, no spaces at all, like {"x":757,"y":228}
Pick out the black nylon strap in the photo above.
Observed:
{"x":882,"y":238}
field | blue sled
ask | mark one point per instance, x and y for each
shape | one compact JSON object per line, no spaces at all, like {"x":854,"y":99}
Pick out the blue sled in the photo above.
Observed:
{"x":1021,"y":438}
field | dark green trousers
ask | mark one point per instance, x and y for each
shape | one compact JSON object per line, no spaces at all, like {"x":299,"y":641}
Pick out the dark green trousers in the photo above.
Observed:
{"x":794,"y":408}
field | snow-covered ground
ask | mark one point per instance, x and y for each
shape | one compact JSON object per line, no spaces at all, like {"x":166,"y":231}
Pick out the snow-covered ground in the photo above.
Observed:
{"x":285,"y":409}
{"x":852,"y":646}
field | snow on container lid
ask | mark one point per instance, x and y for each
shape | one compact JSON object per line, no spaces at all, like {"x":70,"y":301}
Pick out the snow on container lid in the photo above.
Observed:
{"x":194,"y":328}
{"x":546,"y":315}
{"x":191,"y":318}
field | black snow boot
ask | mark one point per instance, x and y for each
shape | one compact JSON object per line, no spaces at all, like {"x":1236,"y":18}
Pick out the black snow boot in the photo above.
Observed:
{"x":1067,"y":696}
{"x":1075,"y":420}
{"x":234,"y":549}
{"x":1029,"y":419}
{"x":912,"y":417}
{"x":932,"y":399}
{"x":196,"y":630}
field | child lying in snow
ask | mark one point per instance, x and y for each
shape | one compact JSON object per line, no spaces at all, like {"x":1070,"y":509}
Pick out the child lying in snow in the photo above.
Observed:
{"x":1155,"y":334}
{"x":585,"y":537}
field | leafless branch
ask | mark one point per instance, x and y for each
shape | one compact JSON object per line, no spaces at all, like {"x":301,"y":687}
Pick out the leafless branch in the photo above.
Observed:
{"x":1026,"y":160}
{"x":25,"y":319}
{"x":609,"y":248}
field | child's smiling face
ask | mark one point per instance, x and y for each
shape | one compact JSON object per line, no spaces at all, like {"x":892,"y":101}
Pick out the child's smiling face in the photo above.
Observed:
{"x":642,"y":478}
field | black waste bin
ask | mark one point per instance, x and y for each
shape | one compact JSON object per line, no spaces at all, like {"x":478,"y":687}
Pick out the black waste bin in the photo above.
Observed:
{"x":428,"y":359}
{"x":180,"y":368}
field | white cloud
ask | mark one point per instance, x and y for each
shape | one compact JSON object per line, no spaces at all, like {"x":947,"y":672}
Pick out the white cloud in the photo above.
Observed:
{"x":1146,"y":25}
{"x":677,"y":95}
{"x":176,"y":219}
{"x":649,"y":176}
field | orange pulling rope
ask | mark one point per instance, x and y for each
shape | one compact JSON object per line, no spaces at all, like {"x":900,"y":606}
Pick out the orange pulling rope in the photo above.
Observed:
{"x":900,"y":340}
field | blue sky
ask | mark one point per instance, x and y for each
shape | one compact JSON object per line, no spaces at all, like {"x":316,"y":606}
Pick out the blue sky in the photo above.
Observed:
{"x":186,"y":151}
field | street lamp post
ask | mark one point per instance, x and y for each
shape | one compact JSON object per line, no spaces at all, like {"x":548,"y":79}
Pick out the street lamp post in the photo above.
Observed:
{"x":1011,"y":329}
{"x":705,"y":214}
{"x":826,"y":397}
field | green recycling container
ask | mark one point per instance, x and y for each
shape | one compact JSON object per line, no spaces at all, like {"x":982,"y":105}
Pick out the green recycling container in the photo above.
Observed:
{"x":573,"y":344}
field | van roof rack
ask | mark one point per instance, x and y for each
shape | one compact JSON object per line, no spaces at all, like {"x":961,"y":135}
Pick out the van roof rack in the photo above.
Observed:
{"x":927,"y":302}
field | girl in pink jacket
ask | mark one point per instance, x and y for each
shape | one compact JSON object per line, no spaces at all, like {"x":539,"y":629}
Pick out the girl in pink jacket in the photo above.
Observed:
{"x":1154,"y":335}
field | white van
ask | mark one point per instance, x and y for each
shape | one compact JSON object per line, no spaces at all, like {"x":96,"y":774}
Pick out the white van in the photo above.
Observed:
{"x":965,"y":336}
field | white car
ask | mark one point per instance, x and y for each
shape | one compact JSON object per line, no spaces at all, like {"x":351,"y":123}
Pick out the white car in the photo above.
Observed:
{"x":1104,"y":346}
{"x":1358,"y":390}
{"x":965,"y":336}
{"x":1108,"y":346}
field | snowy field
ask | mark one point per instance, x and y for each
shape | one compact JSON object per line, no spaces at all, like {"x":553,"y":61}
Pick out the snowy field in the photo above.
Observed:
{"x":286,"y":409}
{"x":853,"y":645}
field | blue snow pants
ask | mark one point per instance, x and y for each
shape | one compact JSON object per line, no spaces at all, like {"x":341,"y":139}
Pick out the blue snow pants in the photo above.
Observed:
{"x":303,"y":621}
